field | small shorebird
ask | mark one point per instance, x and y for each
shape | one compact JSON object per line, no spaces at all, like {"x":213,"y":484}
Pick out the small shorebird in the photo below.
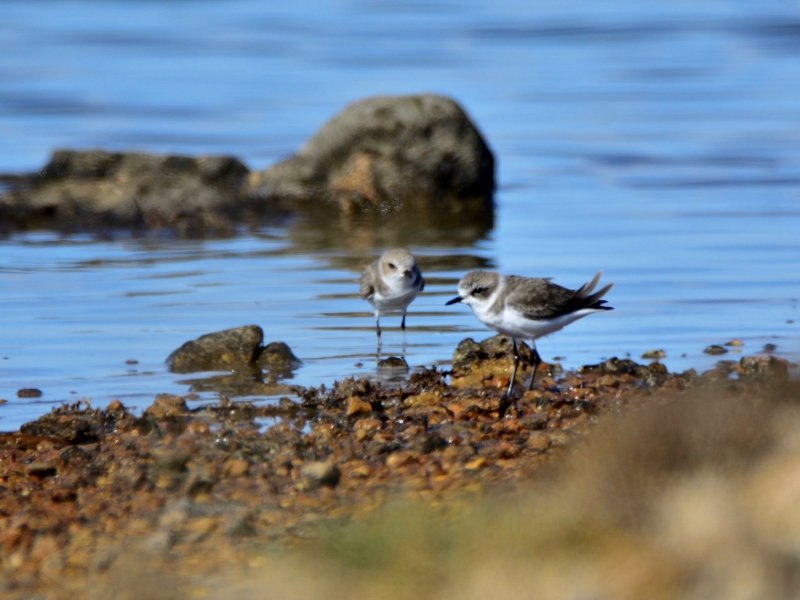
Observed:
{"x":391,"y":283}
{"x":526,"y":308}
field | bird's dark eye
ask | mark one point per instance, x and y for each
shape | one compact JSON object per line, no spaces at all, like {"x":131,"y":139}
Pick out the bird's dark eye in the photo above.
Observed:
{"x":392,"y":266}
{"x":479,"y":291}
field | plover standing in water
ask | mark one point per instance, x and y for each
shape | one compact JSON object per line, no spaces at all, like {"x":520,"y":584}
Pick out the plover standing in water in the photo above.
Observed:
{"x":391,"y":283}
{"x":526,"y":308}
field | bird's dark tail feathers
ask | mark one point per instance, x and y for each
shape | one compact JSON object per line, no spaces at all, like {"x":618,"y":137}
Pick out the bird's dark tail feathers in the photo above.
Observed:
{"x":589,"y":300}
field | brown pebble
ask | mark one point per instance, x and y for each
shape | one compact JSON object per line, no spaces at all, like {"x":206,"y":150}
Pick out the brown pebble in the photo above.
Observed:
{"x":476,"y":464}
{"x":398,"y":459}
{"x":608,"y":381}
{"x":166,"y":406}
{"x":560,"y":438}
{"x":537,"y":420}
{"x":197,"y":427}
{"x":654,"y":354}
{"x":115,"y":406}
{"x":321,"y":474}
{"x":424,"y":399}
{"x":359,"y":470}
{"x":235,"y":467}
{"x":356,"y":406}
{"x":507,"y":450}
{"x":735,"y":342}
{"x":368,"y":424}
{"x":539,"y":441}
{"x":29,"y":393}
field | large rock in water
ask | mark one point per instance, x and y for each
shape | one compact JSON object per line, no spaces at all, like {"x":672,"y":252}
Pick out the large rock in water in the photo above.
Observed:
{"x":412,"y":162}
{"x":95,"y":188}
{"x":388,"y":152}
{"x":230,"y":349}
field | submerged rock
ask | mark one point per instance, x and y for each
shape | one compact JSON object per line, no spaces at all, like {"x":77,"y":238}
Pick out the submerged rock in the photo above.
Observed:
{"x":230,"y":349}
{"x":218,"y":351}
{"x":394,"y":364}
{"x":715,"y":349}
{"x":277,"y":356}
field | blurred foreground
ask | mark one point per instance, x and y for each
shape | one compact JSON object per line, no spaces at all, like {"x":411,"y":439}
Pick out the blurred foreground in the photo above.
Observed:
{"x":620,"y":481}
{"x":685,"y":496}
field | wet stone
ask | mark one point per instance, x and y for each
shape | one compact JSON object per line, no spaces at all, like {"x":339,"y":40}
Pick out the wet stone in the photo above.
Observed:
{"x":715,"y":349}
{"x":534,"y":421}
{"x":612,"y":366}
{"x":277,"y":355}
{"x":538,"y":441}
{"x":74,"y":428}
{"x":170,"y":459}
{"x":714,"y":375}
{"x":320,"y":473}
{"x":431,"y":442}
{"x":218,"y":351}
{"x":735,"y":343}
{"x":167,"y":406}
{"x":29,"y":393}
{"x":393,"y":363}
{"x":469,"y":353}
{"x":74,"y":455}
{"x":356,"y":406}
{"x":764,"y":367}
{"x":654,"y":354}
{"x":726,"y":366}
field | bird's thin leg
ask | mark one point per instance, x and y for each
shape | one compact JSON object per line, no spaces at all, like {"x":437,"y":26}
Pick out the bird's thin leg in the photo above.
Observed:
{"x":505,"y":401}
{"x":536,"y":361}
{"x":378,"y":327}
{"x":514,"y":370}
{"x":403,"y":327}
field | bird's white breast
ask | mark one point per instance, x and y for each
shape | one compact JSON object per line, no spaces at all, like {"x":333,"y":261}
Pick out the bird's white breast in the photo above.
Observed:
{"x":397,"y":296}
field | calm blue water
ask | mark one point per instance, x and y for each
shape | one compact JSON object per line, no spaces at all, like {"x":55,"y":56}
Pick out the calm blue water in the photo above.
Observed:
{"x":657,"y":141}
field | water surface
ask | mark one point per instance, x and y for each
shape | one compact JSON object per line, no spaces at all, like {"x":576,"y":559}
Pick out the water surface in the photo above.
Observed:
{"x":657,"y":142}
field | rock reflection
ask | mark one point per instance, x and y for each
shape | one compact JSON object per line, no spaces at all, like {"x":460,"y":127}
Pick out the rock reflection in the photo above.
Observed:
{"x":364,"y":231}
{"x":250,"y":381}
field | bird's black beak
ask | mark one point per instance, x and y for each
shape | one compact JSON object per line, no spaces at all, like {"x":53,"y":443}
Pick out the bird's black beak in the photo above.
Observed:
{"x":453,"y":301}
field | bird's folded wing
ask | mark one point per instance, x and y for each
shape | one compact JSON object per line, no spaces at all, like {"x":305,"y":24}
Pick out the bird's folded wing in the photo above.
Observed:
{"x":367,"y":283}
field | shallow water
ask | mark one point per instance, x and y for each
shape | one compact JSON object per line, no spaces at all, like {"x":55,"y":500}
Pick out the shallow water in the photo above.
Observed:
{"x":656,"y":142}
